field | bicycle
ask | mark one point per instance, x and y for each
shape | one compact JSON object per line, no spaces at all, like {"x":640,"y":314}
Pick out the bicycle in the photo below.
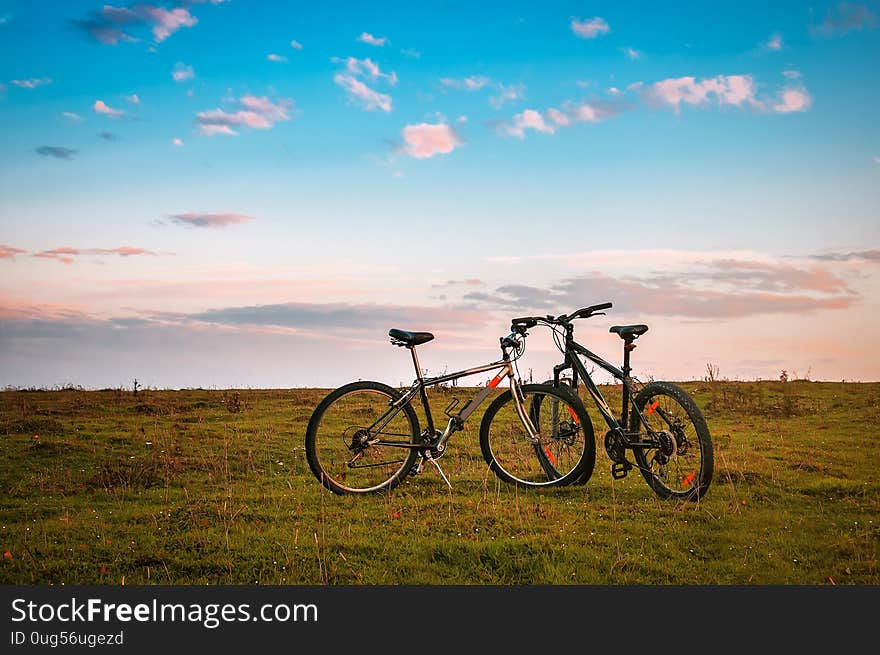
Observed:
{"x":365,"y":436}
{"x":665,"y":430}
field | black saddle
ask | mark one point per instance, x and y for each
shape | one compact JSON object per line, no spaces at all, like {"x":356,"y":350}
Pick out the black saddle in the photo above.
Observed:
{"x":629,"y":332}
{"x":409,"y":339}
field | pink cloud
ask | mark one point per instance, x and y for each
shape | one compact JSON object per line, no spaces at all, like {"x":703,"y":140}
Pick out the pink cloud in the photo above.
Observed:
{"x":370,"y":68}
{"x":67,"y":255}
{"x":122,"y":251}
{"x":368,"y":97}
{"x":558,"y":117}
{"x":165,"y":22}
{"x":793,"y":100}
{"x":110,"y":25}
{"x":527,"y":120}
{"x":177,"y":142}
{"x":584,"y":112}
{"x":775,"y":42}
{"x":101,"y":107}
{"x":8,"y":252}
{"x":426,"y":140}
{"x":589,"y":28}
{"x":726,"y":89}
{"x":64,"y":254}
{"x":133,"y":99}
{"x":368,"y":38}
{"x":259,"y":113}
{"x":631,"y":53}
{"x":215,"y":220}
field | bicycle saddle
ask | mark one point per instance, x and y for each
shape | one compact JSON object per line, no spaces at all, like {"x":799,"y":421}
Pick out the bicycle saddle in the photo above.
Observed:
{"x":408,"y":339}
{"x":629,"y":332}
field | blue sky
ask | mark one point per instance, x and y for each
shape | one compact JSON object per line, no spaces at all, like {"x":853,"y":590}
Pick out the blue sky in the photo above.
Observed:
{"x":448,"y":164}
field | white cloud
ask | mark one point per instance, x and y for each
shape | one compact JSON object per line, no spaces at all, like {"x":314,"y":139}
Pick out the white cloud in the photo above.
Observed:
{"x":507,"y":93}
{"x":589,"y":28}
{"x":366,"y":96}
{"x":32,"y":83}
{"x":296,"y":45}
{"x":470,"y":83}
{"x":274,"y":57}
{"x":182,"y":72}
{"x":368,"y":38}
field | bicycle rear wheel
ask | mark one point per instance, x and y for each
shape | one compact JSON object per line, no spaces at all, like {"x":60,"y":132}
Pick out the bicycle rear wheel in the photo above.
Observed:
{"x":564,"y":438}
{"x":342,"y":439}
{"x":683,"y":464}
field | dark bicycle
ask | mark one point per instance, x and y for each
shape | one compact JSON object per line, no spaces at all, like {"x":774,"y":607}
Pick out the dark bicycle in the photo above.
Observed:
{"x":365,"y":436}
{"x":659,"y":422}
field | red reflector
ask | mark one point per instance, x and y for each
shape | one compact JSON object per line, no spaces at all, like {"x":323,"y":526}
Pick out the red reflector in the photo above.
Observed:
{"x":689,"y":479}
{"x":550,"y":455}
{"x":654,"y":405}
{"x":573,"y":415}
{"x":494,"y":381}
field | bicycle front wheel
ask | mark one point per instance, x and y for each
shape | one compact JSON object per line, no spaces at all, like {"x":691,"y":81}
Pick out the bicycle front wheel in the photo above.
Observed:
{"x":562,"y":438}
{"x":357,"y":442}
{"x":681,"y":466}
{"x":552,"y":405}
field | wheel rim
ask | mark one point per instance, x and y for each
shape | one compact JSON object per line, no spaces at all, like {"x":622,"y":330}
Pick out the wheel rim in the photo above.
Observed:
{"x":343,"y":435}
{"x":676,"y":465}
{"x":561,"y":440}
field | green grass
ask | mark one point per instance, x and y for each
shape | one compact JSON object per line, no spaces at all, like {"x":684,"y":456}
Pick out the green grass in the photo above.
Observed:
{"x":196,"y":486}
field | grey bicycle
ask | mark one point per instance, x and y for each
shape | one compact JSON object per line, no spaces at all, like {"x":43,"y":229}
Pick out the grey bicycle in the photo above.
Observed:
{"x":365,"y":436}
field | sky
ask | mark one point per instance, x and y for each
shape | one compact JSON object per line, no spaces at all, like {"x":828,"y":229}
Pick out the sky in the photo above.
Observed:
{"x":250,"y":194}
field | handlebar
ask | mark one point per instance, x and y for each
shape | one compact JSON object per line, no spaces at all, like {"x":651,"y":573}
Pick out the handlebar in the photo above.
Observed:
{"x":525,"y":322}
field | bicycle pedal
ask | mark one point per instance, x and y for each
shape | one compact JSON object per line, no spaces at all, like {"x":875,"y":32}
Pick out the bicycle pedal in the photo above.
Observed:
{"x":620,"y":469}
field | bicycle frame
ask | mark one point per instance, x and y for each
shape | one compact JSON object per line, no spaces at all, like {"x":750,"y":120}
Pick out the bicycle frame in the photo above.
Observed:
{"x":456,"y":421}
{"x":572,"y":349}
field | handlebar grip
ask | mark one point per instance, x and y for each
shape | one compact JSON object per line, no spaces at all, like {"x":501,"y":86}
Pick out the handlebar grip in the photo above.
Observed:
{"x":525,"y":321}
{"x":604,"y":305}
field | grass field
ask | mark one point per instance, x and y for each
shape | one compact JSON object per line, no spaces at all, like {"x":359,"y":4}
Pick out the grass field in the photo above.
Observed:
{"x":211,"y":486}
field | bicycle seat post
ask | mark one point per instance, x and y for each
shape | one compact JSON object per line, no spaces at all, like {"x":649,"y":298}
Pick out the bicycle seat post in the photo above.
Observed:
{"x":415,"y":358}
{"x":628,"y":347}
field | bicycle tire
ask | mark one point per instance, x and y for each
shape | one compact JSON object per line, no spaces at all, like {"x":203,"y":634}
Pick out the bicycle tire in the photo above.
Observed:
{"x":535,"y":411}
{"x":332,"y":465}
{"x":498,"y":446}
{"x":696,"y":481}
